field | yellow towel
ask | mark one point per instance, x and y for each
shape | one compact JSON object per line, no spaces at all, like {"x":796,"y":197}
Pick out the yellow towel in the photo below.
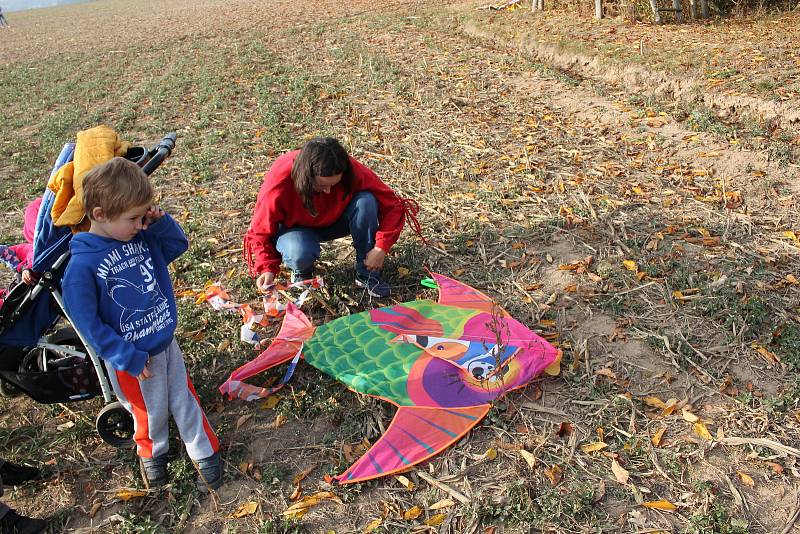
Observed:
{"x":93,"y":146}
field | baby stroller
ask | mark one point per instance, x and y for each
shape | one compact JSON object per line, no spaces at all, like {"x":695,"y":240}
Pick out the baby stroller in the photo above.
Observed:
{"x":41,"y":354}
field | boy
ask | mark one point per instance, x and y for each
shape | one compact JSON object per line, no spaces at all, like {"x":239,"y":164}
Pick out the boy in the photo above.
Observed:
{"x":118,"y":293}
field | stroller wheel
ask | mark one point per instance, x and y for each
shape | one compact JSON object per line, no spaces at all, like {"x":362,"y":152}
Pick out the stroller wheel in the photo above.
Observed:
{"x":115,"y":426}
{"x":8,"y":389}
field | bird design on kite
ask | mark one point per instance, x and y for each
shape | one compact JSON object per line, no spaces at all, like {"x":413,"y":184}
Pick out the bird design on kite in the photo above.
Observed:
{"x":441,"y":363}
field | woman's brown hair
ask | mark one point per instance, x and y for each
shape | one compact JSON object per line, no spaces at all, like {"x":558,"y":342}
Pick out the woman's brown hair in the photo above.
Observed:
{"x":321,"y":156}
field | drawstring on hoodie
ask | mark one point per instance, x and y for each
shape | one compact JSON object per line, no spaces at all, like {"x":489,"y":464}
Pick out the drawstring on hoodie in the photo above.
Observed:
{"x":247,"y":254}
{"x":410,"y":211}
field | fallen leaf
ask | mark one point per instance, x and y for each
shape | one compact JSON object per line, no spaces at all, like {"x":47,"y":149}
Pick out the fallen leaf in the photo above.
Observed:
{"x":491,"y":454}
{"x":600,"y":493}
{"x":412,"y":513}
{"x":630,"y":265}
{"x":435,"y":520}
{"x":65,"y":426}
{"x":444,"y":503}
{"x":95,"y":508}
{"x":553,"y":473}
{"x":299,"y":509}
{"x":403,"y":271}
{"x":660,"y":505}
{"x":594,"y":447}
{"x":769,"y":356}
{"x":689,"y":416}
{"x":270,"y":402}
{"x":405,"y":482}
{"x":372,"y":525}
{"x":529,"y":458}
{"x":296,"y":493}
{"x":656,"y":438}
{"x":303,"y":474}
{"x":746,"y":479}
{"x":701,"y":430}
{"x":655,"y":402}
{"x":244,"y":509}
{"x":605,"y":371}
{"x":620,"y":473}
{"x":776,"y":468}
{"x":126,"y":495}
{"x":242,"y":420}
{"x":278,"y":422}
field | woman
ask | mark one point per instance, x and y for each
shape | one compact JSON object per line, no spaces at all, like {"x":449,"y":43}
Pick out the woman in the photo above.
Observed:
{"x":316,"y":194}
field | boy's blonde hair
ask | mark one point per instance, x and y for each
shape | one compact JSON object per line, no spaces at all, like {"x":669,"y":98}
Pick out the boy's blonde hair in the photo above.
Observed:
{"x":115,"y":187}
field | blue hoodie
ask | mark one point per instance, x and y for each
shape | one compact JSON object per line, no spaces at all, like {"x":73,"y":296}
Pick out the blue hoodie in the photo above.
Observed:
{"x":119,"y":294}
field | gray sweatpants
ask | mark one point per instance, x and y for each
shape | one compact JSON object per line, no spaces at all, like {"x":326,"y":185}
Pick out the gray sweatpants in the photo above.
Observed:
{"x":168,"y":392}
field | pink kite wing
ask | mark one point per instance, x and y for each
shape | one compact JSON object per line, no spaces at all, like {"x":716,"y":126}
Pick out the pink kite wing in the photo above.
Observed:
{"x":295,"y":330}
{"x":454,"y":293}
{"x":415,"y":434}
{"x":479,"y":328}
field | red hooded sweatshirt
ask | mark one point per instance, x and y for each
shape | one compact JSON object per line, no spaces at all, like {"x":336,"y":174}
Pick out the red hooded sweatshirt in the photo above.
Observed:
{"x":279,"y":203}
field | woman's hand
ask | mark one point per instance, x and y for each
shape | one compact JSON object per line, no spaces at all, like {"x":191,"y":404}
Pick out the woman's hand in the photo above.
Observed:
{"x":374,"y":259}
{"x":265,"y":280}
{"x":153,"y":214}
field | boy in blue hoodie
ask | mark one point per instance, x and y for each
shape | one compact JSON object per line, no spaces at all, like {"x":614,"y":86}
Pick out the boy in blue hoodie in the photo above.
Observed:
{"x":118,"y":293}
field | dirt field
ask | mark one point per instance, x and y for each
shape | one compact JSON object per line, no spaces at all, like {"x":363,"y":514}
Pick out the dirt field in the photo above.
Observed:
{"x":629,"y":192}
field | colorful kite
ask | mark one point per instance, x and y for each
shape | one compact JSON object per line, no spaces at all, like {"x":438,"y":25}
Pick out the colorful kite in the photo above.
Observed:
{"x":442,"y":363}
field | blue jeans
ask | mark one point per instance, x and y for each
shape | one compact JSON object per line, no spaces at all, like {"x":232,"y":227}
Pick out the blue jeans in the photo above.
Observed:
{"x":299,"y":246}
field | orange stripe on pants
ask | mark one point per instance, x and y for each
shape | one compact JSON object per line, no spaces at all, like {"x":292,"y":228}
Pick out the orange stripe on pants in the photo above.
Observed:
{"x":130,"y":388}
{"x":212,"y":437}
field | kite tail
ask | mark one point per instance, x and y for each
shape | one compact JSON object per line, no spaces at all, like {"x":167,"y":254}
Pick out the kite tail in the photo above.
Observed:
{"x":287,"y":346}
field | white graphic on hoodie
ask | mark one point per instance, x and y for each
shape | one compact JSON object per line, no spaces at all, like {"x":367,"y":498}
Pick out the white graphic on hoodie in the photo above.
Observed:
{"x":132,"y":285}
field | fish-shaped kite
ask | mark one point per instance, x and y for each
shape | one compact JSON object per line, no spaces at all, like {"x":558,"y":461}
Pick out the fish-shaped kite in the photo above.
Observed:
{"x":441,"y":363}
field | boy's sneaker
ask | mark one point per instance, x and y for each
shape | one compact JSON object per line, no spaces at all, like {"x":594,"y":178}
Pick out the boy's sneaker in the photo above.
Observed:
{"x":374,"y":284}
{"x":154,"y":471}
{"x":211,"y":471}
{"x":13,"y":474}
{"x":13,"y":523}
{"x":302,"y":276}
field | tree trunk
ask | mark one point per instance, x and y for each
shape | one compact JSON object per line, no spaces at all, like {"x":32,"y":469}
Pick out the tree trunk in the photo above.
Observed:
{"x":693,"y":9}
{"x":598,"y":9}
{"x":540,"y":5}
{"x":676,"y":5}
{"x":656,"y":14}
{"x":704,"y":8}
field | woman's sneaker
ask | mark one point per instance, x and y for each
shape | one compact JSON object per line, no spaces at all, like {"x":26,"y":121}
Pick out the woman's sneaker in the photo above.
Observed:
{"x":13,"y":523}
{"x":302,"y":276}
{"x":374,"y":284}
{"x":211,"y":472}
{"x":154,"y":471}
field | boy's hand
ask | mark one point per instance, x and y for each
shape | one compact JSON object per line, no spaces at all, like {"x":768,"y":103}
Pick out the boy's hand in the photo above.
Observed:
{"x":153,"y":214}
{"x":145,"y":374}
{"x":29,"y":277}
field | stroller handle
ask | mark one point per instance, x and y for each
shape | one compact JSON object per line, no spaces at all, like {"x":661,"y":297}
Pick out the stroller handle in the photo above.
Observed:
{"x":160,"y":152}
